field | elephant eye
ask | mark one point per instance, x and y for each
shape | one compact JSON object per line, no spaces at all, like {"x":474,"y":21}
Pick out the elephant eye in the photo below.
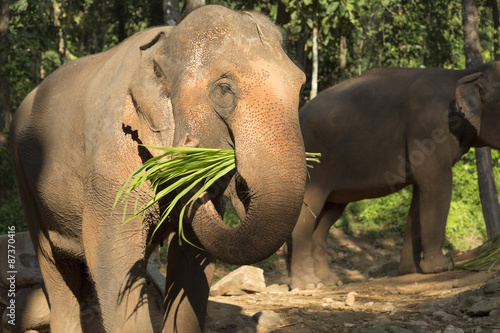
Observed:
{"x":225,"y":89}
{"x":223,"y":95}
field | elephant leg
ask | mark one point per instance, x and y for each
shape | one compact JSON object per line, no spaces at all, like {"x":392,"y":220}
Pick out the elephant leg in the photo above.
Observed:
{"x":330,"y":214}
{"x":117,"y":265}
{"x":433,"y":197}
{"x":411,"y":252}
{"x":189,"y":274}
{"x":435,"y":201}
{"x":302,"y":275}
{"x":62,"y":279}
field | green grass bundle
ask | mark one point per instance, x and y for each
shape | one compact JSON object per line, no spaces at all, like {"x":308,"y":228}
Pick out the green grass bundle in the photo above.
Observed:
{"x":488,"y":255}
{"x":186,"y":167}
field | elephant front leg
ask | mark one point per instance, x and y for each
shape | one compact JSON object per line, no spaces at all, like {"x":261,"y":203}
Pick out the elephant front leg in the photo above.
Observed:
{"x":189,"y":274}
{"x":116,"y":262}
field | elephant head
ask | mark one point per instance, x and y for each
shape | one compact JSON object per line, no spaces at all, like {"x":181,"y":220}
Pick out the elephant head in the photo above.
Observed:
{"x":478,"y":98}
{"x":221,"y":79}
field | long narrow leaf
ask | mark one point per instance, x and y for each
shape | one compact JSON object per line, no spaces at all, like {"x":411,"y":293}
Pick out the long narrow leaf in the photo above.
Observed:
{"x":179,"y":170}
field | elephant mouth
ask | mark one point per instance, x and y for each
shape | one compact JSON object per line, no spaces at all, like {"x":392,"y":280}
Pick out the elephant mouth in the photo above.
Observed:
{"x":229,"y":197}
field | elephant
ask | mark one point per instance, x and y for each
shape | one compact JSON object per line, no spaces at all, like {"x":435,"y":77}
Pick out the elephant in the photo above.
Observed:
{"x":380,"y":132}
{"x":219,"y":79}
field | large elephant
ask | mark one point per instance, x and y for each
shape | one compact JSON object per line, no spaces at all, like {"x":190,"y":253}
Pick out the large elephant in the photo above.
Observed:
{"x":220,"y":79}
{"x":383,"y":131}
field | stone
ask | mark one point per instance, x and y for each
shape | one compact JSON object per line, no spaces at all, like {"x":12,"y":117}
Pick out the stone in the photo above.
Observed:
{"x":443,"y":316}
{"x":244,"y":280}
{"x":482,"y":308}
{"x":26,"y":264}
{"x":154,"y":270}
{"x":351,"y":298}
{"x":266,"y":319}
{"x":495,"y":315}
{"x":453,"y":329}
{"x":277,"y":289}
{"x":491,"y":288}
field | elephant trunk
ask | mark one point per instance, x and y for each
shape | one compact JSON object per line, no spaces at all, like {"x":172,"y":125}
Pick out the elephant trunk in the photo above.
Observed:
{"x":270,"y":182}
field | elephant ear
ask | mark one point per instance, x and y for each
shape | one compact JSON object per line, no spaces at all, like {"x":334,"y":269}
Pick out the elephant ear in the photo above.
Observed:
{"x":468,"y":99}
{"x":148,"y":102}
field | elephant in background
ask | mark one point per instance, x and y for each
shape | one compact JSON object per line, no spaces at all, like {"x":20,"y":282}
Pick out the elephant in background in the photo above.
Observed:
{"x":220,"y":79}
{"x":383,"y":131}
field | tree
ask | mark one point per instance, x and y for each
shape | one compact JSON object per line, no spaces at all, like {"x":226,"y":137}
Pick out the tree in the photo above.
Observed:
{"x":4,"y":75}
{"x":192,"y":5}
{"x":496,"y":27}
{"x":171,"y":12}
{"x":486,"y":181}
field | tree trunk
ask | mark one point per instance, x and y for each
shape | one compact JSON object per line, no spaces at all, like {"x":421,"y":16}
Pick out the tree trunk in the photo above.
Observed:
{"x":5,"y":115}
{"x":193,"y":4}
{"x":314,"y":76}
{"x":171,"y":12}
{"x":486,"y":181}
{"x":120,"y":15}
{"x":343,"y":56}
{"x":156,"y":12}
{"x":496,"y":26}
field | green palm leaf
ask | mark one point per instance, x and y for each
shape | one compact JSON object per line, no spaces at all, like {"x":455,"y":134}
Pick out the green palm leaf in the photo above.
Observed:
{"x":185,"y":168}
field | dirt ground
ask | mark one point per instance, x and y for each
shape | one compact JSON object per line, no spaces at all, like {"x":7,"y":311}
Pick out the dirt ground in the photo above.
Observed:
{"x":377,"y":299}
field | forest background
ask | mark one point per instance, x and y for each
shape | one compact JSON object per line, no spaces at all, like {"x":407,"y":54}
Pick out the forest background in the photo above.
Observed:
{"x":330,"y":40}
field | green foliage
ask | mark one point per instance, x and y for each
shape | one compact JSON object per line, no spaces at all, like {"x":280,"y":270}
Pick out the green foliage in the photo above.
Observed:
{"x":11,"y":211}
{"x":177,"y":171}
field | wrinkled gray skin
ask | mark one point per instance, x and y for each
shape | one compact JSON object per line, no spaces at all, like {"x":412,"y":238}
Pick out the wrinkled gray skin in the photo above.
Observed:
{"x":212,"y":81}
{"x":383,"y":131}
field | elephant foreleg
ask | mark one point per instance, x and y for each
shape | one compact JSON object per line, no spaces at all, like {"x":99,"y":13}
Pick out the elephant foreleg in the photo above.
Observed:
{"x":117,"y":265}
{"x":189,"y":274}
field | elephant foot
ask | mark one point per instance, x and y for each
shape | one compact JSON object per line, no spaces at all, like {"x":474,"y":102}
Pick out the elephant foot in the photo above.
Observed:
{"x":408,"y":268}
{"x":436,"y":264}
{"x":327,"y":277}
{"x":305,"y":281}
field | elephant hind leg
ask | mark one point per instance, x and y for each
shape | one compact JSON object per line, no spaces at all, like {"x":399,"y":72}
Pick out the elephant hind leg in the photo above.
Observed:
{"x":411,"y":253}
{"x":61,"y":276}
{"x":330,"y":214}
{"x":302,"y":275}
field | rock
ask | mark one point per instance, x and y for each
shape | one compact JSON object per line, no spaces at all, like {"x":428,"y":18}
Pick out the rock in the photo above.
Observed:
{"x":246,"y":279}
{"x":350,"y":299}
{"x":154,"y":270}
{"x":469,"y":297}
{"x":482,"y":308}
{"x":491,"y":288}
{"x":277,"y":289}
{"x":453,"y":329}
{"x":443,"y":316}
{"x":495,"y":315}
{"x":32,"y":311}
{"x":25,"y":264}
{"x":266,"y":319}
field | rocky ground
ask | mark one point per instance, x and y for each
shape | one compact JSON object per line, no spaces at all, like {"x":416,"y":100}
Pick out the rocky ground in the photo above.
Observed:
{"x":371,"y":299}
